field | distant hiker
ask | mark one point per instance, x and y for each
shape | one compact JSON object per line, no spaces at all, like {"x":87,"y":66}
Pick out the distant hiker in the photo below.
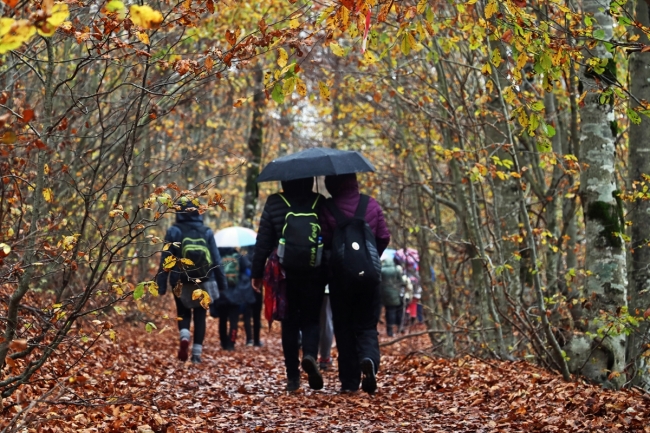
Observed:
{"x":191,"y":240}
{"x":253,"y":313}
{"x":289,"y":224}
{"x":237,"y":270}
{"x":355,"y":233}
{"x":393,"y":282}
{"x":326,"y":333}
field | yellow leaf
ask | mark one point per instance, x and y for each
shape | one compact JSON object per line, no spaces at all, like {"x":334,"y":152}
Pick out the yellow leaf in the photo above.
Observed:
{"x":14,"y":33}
{"x":486,"y":69}
{"x":187,"y":262}
{"x":491,"y":8}
{"x":294,"y":23}
{"x":58,"y":16}
{"x":324,"y":91}
{"x":6,"y":249}
{"x":145,"y":17}
{"x":496,"y":57}
{"x":268,"y":76}
{"x":336,"y":49}
{"x":47,"y":195}
{"x":46,"y":169}
{"x":169,"y":263}
{"x":422,"y":5}
{"x":289,"y":85}
{"x":115,"y":6}
{"x":153,"y":288}
{"x":369,"y":58}
{"x":301,"y":87}
{"x":282,"y":57}
{"x":144,"y":38}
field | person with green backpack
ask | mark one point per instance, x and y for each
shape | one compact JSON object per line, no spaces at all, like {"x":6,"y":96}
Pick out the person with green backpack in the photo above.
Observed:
{"x":290,"y":225}
{"x":195,"y":265}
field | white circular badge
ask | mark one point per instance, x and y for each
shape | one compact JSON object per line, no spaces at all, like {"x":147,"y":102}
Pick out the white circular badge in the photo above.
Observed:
{"x":355,"y":246}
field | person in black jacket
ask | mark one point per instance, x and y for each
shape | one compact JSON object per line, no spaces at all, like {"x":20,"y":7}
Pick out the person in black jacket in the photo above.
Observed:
{"x":187,"y":218}
{"x":238,"y":293}
{"x":304,"y":291}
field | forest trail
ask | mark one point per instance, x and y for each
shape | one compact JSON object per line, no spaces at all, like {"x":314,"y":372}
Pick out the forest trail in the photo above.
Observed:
{"x":243,"y":391}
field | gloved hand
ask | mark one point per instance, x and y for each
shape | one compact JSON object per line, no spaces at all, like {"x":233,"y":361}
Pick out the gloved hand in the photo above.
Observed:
{"x":161,"y":280}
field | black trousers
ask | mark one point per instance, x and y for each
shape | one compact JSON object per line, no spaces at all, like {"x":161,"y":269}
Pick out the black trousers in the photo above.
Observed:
{"x":186,"y":315}
{"x":253,"y":312}
{"x":304,"y":299}
{"x":228,"y":315}
{"x":394,"y":317}
{"x":355,"y":313}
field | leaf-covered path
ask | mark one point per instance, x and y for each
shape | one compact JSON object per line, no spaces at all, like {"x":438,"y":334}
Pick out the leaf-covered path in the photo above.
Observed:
{"x":243,"y":391}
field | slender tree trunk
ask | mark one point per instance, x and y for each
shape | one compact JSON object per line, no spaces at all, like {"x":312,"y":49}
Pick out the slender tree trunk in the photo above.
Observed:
{"x":255,"y":148}
{"x":639,"y":165}
{"x":601,"y":359}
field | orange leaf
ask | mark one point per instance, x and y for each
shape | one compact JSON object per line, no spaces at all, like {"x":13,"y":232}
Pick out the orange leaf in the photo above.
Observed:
{"x":18,"y":345}
{"x":11,"y":3}
{"x":28,"y":115}
{"x":210,"y":6}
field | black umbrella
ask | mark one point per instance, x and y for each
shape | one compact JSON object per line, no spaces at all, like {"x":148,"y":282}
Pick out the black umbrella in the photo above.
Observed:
{"x":318,"y":161}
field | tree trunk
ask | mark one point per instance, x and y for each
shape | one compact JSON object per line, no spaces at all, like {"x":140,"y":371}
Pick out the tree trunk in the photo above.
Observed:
{"x":255,"y":148}
{"x":639,"y":164}
{"x":600,"y":358}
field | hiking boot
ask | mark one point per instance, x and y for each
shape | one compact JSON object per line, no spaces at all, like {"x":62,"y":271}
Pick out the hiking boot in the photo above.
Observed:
{"x":325,"y":363}
{"x":183,"y":351}
{"x":229,"y":348}
{"x":258,"y":344}
{"x":249,"y":343}
{"x":311,"y":368}
{"x":196,"y":359}
{"x":369,"y":381}
{"x":293,"y":384}
{"x":348,"y":391}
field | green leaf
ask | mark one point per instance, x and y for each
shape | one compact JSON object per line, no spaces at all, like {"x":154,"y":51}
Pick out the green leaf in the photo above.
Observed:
{"x":599,"y":34}
{"x":633,"y":116}
{"x":624,"y":21}
{"x":149,"y":327}
{"x":278,"y":94}
{"x":139,"y":291}
{"x":537,"y":106}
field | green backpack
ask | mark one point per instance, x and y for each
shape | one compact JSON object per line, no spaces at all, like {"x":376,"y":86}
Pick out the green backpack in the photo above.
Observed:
{"x":230,"y":267}
{"x":194,"y":247}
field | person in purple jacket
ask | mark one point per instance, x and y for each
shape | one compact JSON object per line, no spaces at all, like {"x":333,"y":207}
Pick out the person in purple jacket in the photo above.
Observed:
{"x":355,"y":311}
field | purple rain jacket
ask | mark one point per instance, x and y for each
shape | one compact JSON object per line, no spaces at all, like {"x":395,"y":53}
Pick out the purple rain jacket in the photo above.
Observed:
{"x":345,"y":193}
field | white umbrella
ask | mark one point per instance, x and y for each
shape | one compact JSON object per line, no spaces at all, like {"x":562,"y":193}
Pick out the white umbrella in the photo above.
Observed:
{"x":235,"y":237}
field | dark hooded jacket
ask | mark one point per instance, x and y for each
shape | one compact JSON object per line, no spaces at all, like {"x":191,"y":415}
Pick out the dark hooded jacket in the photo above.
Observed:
{"x":174,"y":234}
{"x":242,"y":293}
{"x":298,"y":192}
{"x":345,"y":193}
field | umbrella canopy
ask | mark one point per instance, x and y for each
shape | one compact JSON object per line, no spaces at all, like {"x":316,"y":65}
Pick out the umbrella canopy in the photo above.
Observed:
{"x":318,"y":161}
{"x":388,"y":254}
{"x":235,"y":237}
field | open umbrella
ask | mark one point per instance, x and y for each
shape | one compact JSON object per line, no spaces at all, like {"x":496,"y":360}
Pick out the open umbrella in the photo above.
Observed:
{"x":318,"y":161}
{"x":388,"y":254}
{"x":235,"y":237}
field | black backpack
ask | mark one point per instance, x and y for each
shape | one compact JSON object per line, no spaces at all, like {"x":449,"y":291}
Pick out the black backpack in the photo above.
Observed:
{"x":303,"y":244}
{"x":355,"y":259}
{"x":196,"y":260}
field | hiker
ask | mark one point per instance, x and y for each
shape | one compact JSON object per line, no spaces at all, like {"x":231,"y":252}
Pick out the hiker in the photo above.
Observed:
{"x":236,"y":269}
{"x":289,"y":225}
{"x":253,"y":313}
{"x":326,"y":333}
{"x":189,"y":238}
{"x":392,"y":286}
{"x":355,"y":299}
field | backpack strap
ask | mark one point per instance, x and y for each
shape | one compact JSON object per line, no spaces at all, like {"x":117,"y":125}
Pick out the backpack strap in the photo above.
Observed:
{"x":284,"y":199}
{"x":335,"y":211}
{"x":362,"y":206}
